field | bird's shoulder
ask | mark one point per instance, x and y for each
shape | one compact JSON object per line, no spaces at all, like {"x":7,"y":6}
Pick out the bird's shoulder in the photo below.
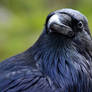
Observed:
{"x":17,"y":62}
{"x":20,"y":74}
{"x":24,"y":80}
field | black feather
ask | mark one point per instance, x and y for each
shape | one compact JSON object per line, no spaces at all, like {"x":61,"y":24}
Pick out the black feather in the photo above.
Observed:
{"x":55,"y":63}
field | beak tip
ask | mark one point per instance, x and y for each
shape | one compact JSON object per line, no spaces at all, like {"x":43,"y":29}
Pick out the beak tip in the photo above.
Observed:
{"x":70,"y":33}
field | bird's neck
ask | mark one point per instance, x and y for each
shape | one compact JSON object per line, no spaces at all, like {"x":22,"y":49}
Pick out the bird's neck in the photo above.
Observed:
{"x":57,"y":59}
{"x":50,"y":54}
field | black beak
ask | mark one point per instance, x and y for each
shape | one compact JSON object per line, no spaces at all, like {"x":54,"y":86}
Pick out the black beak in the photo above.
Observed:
{"x":57,"y":24}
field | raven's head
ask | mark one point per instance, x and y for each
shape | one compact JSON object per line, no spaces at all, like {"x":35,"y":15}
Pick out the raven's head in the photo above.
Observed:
{"x":64,"y":50}
{"x":67,"y":22}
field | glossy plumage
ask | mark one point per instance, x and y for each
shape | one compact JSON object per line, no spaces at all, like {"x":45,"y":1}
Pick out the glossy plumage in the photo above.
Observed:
{"x":57,"y":62}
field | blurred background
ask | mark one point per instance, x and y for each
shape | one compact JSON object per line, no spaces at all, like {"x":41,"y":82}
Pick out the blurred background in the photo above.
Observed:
{"x":22,"y":21}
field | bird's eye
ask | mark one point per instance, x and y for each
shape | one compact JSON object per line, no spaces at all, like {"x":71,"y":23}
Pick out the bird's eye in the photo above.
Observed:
{"x":80,"y":24}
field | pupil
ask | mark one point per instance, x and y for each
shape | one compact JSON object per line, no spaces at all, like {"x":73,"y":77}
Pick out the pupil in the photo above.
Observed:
{"x":80,"y":24}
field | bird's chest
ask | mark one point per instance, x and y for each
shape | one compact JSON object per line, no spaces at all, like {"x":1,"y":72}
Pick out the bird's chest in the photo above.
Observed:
{"x":67,"y":70}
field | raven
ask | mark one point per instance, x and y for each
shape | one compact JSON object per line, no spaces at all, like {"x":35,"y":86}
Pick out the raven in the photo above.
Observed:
{"x":59,"y":61}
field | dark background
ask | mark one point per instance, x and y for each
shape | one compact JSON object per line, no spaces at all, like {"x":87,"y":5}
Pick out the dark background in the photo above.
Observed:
{"x":22,"y":21}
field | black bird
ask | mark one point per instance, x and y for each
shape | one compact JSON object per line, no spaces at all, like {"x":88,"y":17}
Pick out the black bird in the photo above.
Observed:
{"x":59,"y":61}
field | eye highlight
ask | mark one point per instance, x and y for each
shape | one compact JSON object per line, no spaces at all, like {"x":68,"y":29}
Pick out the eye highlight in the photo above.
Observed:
{"x":80,"y":24}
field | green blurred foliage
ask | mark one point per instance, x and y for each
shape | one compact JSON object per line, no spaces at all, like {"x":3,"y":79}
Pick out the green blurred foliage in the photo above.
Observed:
{"x":22,"y":21}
